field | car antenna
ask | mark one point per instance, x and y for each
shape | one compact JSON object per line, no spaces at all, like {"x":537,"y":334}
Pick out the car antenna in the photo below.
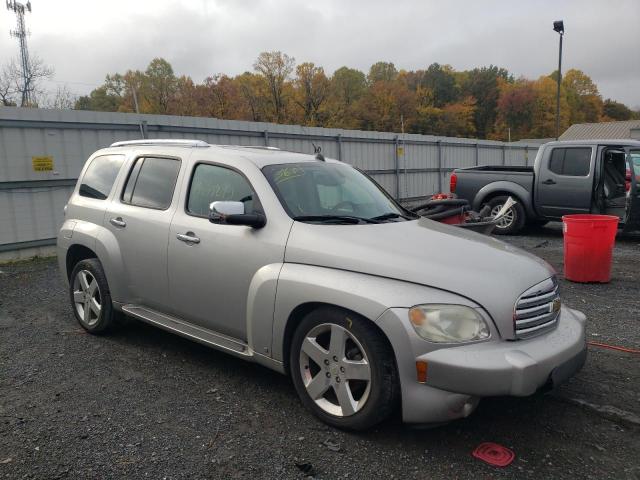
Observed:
{"x":317,"y":149}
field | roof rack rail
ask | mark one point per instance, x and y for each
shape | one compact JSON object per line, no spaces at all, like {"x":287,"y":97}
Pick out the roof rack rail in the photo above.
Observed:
{"x":259,"y":147}
{"x":160,"y":141}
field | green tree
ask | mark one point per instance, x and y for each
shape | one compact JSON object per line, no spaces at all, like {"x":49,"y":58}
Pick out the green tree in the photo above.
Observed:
{"x":106,"y":98}
{"x":382,"y":72}
{"x":347,"y":86}
{"x":159,"y":85}
{"x":613,"y":110}
{"x":440,"y":79}
{"x":483,"y":85}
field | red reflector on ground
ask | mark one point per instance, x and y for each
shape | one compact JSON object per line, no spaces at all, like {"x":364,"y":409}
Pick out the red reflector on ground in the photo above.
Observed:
{"x":494,"y":454}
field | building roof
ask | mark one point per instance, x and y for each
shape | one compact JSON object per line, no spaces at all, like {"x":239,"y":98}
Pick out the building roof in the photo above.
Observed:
{"x":598,"y":141}
{"x":607,"y":130}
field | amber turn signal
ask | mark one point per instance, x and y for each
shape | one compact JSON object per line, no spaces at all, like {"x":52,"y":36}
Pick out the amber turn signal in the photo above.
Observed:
{"x":421,"y":370}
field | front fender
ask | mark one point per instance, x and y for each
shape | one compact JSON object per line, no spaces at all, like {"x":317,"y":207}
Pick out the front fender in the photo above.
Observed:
{"x":508,"y":187}
{"x":367,"y":295}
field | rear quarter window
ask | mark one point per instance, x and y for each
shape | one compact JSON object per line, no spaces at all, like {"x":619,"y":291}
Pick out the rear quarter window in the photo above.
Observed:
{"x":99,"y":177}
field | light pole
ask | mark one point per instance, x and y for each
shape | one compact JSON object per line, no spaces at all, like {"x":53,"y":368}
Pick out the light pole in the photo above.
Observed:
{"x":558,"y":26}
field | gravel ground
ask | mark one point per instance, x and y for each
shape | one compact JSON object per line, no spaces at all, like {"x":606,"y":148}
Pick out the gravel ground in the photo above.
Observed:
{"x":142,"y":403}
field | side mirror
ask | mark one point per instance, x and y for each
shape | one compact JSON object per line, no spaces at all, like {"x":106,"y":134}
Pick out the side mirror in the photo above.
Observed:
{"x":232,"y":213}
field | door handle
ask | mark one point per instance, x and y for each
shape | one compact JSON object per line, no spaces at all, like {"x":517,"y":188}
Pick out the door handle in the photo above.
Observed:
{"x":188,"y":237}
{"x":549,"y":182}
{"x":118,"y":222}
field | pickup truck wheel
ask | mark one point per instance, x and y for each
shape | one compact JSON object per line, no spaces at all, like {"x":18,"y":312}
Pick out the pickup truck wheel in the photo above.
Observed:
{"x":343,"y":369}
{"x":513,"y":221}
{"x":90,"y":297}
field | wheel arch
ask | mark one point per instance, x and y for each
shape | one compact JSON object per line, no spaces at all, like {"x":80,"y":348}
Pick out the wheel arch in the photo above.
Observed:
{"x":76,"y":253}
{"x":298,"y":313}
{"x":498,"y":189}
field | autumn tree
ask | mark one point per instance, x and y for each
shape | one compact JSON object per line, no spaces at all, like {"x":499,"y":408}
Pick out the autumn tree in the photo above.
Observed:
{"x":544,"y":112}
{"x":254,"y":96}
{"x":583,"y":98}
{"x":311,"y":91}
{"x":515,"y":107}
{"x":384,"y":104}
{"x":276,"y":68}
{"x":484,"y":102}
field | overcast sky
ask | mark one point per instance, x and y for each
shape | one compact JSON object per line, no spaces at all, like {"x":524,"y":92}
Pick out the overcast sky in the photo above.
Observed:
{"x":84,"y":40}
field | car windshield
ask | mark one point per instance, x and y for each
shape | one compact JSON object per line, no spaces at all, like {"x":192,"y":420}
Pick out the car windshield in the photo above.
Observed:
{"x":322,"y":192}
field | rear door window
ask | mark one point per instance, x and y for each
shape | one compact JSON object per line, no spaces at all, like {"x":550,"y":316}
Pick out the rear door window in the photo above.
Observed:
{"x":100,"y":176}
{"x":574,"y":162}
{"x":151,"y":182}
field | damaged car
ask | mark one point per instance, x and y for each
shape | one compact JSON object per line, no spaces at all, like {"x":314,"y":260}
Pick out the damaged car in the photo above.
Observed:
{"x":308,"y":267}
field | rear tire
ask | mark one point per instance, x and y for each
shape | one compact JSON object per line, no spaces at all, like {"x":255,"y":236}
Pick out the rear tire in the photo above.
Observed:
{"x":513,"y":221}
{"x":90,"y":297}
{"x":343,"y":369}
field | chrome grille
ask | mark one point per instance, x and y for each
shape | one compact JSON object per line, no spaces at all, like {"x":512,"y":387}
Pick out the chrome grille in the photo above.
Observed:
{"x":537,"y":309}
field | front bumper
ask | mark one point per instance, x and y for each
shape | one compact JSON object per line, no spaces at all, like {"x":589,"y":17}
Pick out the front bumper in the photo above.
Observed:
{"x":458,"y":376}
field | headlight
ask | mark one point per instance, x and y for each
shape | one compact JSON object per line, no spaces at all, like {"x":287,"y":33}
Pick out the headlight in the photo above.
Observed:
{"x":448,"y":323}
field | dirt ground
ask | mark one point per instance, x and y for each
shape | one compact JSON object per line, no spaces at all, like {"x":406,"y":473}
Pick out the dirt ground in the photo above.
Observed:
{"x":142,"y":403}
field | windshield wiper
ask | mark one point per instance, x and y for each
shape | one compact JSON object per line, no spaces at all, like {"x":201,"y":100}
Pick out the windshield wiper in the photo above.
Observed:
{"x":334,"y":218}
{"x":387,"y":216}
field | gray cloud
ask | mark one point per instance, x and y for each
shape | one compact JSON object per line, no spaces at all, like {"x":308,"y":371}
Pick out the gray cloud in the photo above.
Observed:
{"x":86,"y":40}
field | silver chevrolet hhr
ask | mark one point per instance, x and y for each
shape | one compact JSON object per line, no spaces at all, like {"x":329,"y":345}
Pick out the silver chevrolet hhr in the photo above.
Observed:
{"x":307,"y":266}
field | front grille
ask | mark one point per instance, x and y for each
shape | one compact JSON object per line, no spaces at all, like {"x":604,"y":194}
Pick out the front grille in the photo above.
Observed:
{"x":537,"y":309}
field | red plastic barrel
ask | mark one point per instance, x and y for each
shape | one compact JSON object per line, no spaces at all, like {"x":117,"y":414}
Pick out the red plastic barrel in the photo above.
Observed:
{"x":588,"y":247}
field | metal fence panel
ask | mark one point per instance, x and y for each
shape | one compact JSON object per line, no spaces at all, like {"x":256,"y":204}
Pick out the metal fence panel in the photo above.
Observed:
{"x":409,"y":166}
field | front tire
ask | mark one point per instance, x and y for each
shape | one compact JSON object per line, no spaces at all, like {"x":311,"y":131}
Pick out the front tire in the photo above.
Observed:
{"x":343,"y":369}
{"x":513,"y":221}
{"x":90,"y":297}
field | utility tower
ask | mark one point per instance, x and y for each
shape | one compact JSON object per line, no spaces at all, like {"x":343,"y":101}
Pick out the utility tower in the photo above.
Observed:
{"x":21,"y":34}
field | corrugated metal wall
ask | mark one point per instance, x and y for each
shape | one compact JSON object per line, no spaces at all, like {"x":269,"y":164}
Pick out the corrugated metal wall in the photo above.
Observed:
{"x":31,"y":202}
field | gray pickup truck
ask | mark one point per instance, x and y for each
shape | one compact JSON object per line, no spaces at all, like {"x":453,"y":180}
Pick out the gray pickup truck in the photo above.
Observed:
{"x":568,"y":177}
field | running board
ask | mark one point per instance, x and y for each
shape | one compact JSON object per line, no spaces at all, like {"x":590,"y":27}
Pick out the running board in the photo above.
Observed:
{"x":193,"y":332}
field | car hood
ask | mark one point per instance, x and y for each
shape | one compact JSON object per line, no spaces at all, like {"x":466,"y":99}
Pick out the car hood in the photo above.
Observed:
{"x":487,"y":271}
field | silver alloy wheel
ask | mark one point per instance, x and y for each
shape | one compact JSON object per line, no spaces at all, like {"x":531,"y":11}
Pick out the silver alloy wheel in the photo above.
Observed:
{"x":86,"y":297}
{"x":507,"y":219}
{"x":335,"y":370}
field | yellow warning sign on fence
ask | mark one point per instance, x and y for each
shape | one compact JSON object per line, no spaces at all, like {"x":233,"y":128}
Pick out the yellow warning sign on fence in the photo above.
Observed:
{"x":42,"y":164}
{"x":400,"y":151}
